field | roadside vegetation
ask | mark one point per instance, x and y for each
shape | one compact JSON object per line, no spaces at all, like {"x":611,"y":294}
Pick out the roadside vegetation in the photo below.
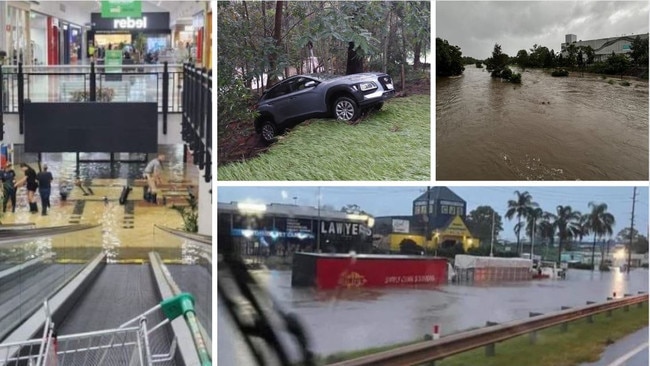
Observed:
{"x":261,"y":43}
{"x":582,"y":343}
{"x":564,"y":224}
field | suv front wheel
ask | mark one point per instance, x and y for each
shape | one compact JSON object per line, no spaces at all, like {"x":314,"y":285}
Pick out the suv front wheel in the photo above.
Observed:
{"x":269,"y":130}
{"x":346,"y":109}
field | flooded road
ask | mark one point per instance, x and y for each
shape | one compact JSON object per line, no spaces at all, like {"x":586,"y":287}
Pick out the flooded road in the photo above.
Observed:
{"x":341,"y":320}
{"x":547,"y":128}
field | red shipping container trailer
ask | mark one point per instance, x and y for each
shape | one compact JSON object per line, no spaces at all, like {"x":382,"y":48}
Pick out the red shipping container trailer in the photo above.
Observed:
{"x":328,"y":271}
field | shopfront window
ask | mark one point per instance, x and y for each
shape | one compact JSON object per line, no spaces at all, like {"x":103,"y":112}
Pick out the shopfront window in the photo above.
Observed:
{"x":16,"y":36}
{"x":38,"y":36}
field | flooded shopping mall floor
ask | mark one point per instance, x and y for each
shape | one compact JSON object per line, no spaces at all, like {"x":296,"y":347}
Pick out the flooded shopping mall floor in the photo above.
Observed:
{"x":547,"y":128}
{"x":123,"y":226}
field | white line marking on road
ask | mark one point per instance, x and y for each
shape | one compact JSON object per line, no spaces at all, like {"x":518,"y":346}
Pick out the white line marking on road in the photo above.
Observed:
{"x":621,"y":360}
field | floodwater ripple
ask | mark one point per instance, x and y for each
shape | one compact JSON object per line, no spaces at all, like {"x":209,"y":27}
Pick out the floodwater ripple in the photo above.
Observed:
{"x":574,"y":128}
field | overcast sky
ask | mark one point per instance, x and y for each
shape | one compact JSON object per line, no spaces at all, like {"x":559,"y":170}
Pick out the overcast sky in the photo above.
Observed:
{"x":475,"y":26}
{"x":386,"y":201}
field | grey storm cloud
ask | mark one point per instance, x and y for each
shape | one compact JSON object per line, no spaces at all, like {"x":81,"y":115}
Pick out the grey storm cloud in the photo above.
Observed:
{"x":476,"y":26}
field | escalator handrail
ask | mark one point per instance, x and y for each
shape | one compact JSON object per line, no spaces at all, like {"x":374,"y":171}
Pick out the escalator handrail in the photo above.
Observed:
{"x":12,"y":236}
{"x":204,"y":239}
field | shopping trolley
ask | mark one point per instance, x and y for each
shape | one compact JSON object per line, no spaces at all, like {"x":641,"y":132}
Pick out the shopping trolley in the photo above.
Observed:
{"x":126,"y":345}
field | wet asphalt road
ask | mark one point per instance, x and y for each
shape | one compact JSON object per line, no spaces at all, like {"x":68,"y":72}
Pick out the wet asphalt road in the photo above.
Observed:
{"x":341,"y":320}
{"x":631,"y":350}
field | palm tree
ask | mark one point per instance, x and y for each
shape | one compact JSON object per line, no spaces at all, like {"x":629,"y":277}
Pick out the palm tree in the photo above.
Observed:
{"x":583,"y":228}
{"x":532,"y":226}
{"x":520,"y":208}
{"x":547,"y":228}
{"x":567,"y":222}
{"x":600,"y":223}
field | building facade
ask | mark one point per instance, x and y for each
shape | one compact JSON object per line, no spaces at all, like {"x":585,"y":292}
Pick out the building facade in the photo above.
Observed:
{"x":603,"y":47}
{"x":438,"y":219}
{"x":281,"y":229}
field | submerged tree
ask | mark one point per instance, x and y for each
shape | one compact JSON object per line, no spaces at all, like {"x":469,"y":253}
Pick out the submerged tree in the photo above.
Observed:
{"x":449,"y":59}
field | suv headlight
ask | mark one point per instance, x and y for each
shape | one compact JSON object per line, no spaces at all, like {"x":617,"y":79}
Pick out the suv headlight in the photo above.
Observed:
{"x":370,"y":85}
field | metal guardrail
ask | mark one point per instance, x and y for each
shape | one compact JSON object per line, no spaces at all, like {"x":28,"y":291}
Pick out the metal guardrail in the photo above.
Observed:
{"x":461,"y":342}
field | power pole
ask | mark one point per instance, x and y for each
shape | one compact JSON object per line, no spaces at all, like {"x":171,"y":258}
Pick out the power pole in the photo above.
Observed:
{"x":427,"y":232}
{"x":629,"y":249}
{"x":319,"y":225}
{"x":492,"y":236}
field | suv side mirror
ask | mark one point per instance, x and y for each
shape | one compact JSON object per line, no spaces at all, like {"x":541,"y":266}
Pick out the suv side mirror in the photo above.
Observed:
{"x":310,"y":84}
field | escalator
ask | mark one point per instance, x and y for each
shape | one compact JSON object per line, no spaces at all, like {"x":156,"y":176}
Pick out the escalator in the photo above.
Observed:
{"x":119,"y":293}
{"x":111,"y":295}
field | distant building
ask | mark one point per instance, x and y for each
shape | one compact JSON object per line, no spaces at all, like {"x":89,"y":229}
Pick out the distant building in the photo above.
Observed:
{"x":284,"y":227}
{"x":603,"y":47}
{"x":438,"y":218}
{"x":570,"y":38}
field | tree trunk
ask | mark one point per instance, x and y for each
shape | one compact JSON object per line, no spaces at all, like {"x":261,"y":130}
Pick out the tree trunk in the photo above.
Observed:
{"x":384,"y":61}
{"x":416,"y":55}
{"x":355,"y":63}
{"x":277,"y":37}
{"x":593,"y":254}
{"x":518,"y":233}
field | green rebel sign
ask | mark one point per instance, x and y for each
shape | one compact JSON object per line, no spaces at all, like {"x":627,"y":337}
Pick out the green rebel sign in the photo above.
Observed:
{"x":121,"y":8}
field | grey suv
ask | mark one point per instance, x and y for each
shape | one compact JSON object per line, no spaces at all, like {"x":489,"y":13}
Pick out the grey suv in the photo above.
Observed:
{"x":301,"y":97}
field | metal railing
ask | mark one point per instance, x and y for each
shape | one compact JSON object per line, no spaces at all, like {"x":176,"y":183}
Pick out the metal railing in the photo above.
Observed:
{"x":160,"y":83}
{"x":197,"y":116}
{"x":488,"y":336}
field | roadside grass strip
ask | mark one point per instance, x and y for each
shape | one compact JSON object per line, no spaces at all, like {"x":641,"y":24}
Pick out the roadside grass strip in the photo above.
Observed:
{"x":391,"y":144}
{"x":582,"y":343}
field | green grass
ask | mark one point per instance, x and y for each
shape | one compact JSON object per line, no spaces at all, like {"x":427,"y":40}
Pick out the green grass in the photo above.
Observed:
{"x":583,"y":343}
{"x":625,"y":83}
{"x":391,"y":144}
{"x":343,"y":356}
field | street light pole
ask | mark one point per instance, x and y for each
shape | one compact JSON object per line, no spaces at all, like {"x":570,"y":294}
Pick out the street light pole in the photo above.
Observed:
{"x":629,"y":249}
{"x":492,"y":236}
{"x":428,"y":227}
{"x":319,"y":225}
{"x":532,"y":241}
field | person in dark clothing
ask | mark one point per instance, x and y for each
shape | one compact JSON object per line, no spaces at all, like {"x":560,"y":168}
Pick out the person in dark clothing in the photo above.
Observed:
{"x":44,"y":179}
{"x":30,"y":181}
{"x":9,"y":192}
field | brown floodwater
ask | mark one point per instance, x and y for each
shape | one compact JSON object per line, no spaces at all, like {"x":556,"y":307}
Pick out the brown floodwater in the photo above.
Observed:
{"x":547,"y":128}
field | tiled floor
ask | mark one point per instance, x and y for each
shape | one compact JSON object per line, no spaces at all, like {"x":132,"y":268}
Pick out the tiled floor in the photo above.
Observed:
{"x":121,"y":226}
